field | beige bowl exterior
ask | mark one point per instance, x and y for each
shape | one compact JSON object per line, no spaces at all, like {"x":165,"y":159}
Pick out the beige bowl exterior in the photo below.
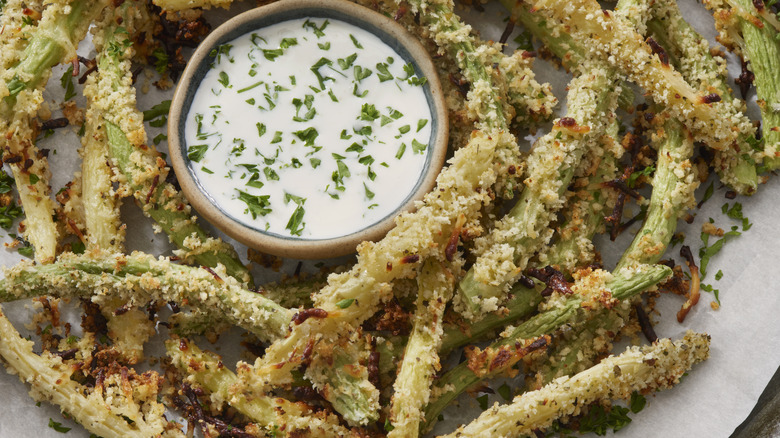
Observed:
{"x":291,"y":246}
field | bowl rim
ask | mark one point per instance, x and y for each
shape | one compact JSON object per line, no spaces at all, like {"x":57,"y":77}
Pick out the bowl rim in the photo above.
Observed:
{"x":292,"y":247}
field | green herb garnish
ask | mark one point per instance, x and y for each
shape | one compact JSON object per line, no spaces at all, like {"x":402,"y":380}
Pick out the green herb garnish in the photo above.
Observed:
{"x":346,"y":63}
{"x":196,"y":152}
{"x":316,"y":70}
{"x":637,"y":402}
{"x":67,"y":83}
{"x":224,"y":79}
{"x":383,"y":73}
{"x":369,"y":193}
{"x":401,"y":150}
{"x":247,"y":88}
{"x":295,"y":224}
{"x":58,"y":426}
{"x":647,"y":171}
{"x":256,"y":205}
{"x":318,"y":31}
{"x":343,"y":304}
{"x":161,"y":109}
{"x":505,"y":392}
{"x":368,"y":112}
{"x":418,"y":147}
{"x":361,"y":73}
{"x":307,"y":135}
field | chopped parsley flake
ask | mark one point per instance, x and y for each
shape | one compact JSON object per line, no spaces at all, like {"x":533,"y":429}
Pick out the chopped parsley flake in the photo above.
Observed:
{"x":307,"y":135}
{"x":161,"y":60}
{"x":224,"y":79}
{"x":707,"y":194}
{"x":247,"y":88}
{"x":383,"y":73}
{"x":271,"y":174}
{"x":318,"y":31}
{"x":599,"y":420}
{"x":221,"y":50}
{"x":256,"y":205}
{"x":483,"y":401}
{"x":295,"y":224}
{"x":524,"y":41}
{"x":67,"y":84}
{"x":505,"y":392}
{"x":401,"y":150}
{"x":288,"y":42}
{"x":196,"y":152}
{"x":272,"y":54}
{"x":58,"y":426}
{"x":343,"y":304}
{"x":418,"y":147}
{"x":355,"y":41}
{"x":735,"y":212}
{"x":707,"y":251}
{"x":161,"y":109}
{"x":368,"y":112}
{"x":365,"y":130}
{"x":369,"y":193}
{"x":354,"y":147}
{"x":316,"y":70}
{"x":647,"y":171}
{"x":361,"y":73}
{"x":356,"y":93}
{"x":346,"y":63}
{"x":637,"y":402}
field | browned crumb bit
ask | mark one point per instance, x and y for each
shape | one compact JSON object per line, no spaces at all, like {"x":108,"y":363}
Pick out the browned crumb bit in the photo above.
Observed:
{"x":73,"y":113}
{"x":676,"y":284}
{"x":265,"y":260}
{"x":712,"y":230}
{"x":392,"y":318}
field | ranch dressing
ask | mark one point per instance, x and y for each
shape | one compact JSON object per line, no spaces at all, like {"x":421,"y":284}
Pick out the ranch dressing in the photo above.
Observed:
{"x":310,"y":128}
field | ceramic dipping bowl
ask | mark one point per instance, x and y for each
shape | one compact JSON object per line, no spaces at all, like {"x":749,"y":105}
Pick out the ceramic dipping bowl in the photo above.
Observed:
{"x":196,"y":191}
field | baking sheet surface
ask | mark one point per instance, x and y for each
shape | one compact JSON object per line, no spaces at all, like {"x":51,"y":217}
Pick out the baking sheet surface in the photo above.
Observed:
{"x":710,"y":402}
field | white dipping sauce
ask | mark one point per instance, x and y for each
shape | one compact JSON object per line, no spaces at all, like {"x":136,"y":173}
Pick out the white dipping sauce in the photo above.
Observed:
{"x":310,"y":128}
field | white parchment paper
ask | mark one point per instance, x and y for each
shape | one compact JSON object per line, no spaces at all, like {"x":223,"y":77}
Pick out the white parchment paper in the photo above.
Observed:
{"x":711,"y":401}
